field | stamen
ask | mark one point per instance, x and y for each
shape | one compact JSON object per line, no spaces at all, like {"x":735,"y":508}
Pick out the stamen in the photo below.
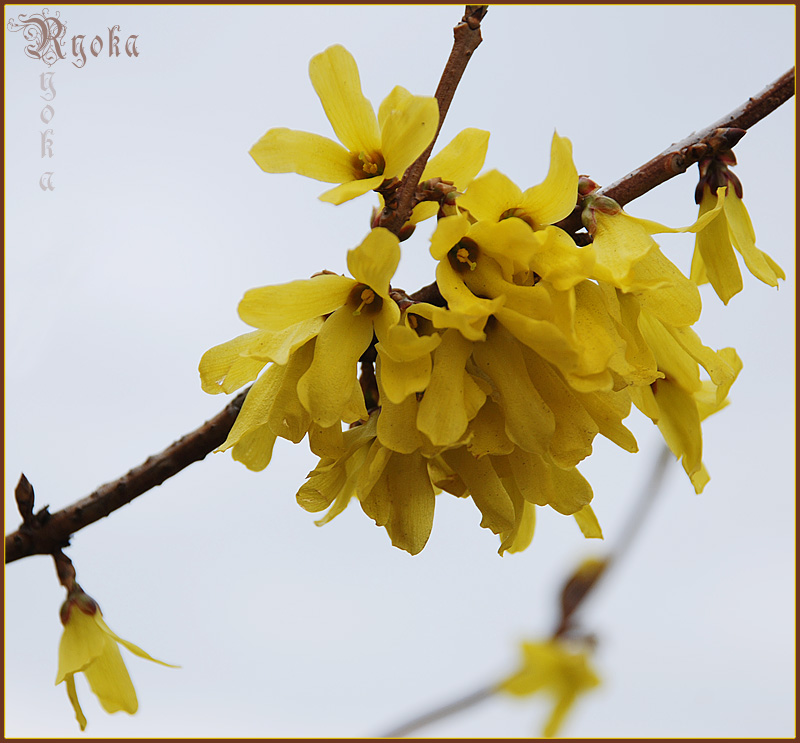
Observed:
{"x":368,"y":165}
{"x":462,"y":254}
{"x":367,"y":297}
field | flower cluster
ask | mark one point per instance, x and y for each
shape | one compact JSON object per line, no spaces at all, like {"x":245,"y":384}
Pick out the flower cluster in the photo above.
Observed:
{"x":529,"y":344}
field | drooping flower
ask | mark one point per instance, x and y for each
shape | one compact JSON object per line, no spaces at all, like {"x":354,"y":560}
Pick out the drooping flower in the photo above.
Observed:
{"x":680,"y":400}
{"x":553,"y":668}
{"x":394,"y":489}
{"x":372,"y":149}
{"x":89,"y":646}
{"x":621,"y":241}
{"x":714,"y":260}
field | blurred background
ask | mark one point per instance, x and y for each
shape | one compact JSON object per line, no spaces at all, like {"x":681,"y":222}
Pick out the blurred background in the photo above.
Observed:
{"x":118,"y":280}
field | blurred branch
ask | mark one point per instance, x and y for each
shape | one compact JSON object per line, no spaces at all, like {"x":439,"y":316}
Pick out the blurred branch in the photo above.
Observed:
{"x":46,"y":533}
{"x":677,"y":158}
{"x":468,"y":700}
{"x":576,"y":589}
{"x":467,"y":37}
{"x":586,"y":577}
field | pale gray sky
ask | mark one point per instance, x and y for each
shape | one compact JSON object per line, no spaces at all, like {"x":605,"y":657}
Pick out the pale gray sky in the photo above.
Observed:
{"x":120,"y":279}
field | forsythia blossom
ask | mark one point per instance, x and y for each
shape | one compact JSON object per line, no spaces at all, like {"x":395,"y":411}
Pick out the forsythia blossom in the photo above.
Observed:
{"x":553,"y":668}
{"x":88,"y":646}
{"x":714,"y":260}
{"x":493,"y":387}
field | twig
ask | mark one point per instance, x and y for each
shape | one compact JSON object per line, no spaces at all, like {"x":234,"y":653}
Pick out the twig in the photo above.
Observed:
{"x":582,"y":583}
{"x":575,"y":592}
{"x":467,"y":38}
{"x":51,"y":532}
{"x":468,"y":700}
{"x":677,"y":158}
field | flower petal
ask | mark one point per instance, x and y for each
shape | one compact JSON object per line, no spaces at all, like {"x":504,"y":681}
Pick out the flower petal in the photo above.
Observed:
{"x":399,"y":379}
{"x":334,"y":75}
{"x":485,"y":488}
{"x":374,"y":261}
{"x":284,"y":150}
{"x":254,"y":449}
{"x":529,"y":422}
{"x":489,"y":196}
{"x":406,"y":488}
{"x":675,"y":303}
{"x":224,"y":368}
{"x":443,"y":415}
{"x":461,"y":160}
{"x":449,"y":231}
{"x":325,"y":389}
{"x":283,"y":305}
{"x":351,"y":190}
{"x":81,"y":643}
{"x":556,"y":196}
{"x":279,"y":345}
{"x":72,"y":693}
{"x":408,"y":125}
{"x":559,"y":260}
{"x":679,"y":423}
{"x":110,"y":681}
{"x":135,"y":649}
{"x":744,"y":240}
{"x":588,"y":523}
{"x":713,"y":244}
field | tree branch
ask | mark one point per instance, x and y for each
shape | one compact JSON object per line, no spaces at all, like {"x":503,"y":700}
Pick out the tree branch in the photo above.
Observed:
{"x":673,"y":161}
{"x":48,"y":533}
{"x":467,"y":36}
{"x":677,"y":158}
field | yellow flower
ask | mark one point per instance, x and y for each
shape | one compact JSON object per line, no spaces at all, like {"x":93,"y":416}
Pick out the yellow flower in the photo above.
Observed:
{"x":88,"y":646}
{"x":393,"y":488}
{"x":552,"y":668}
{"x":714,"y":260}
{"x":314,"y":331}
{"x":679,"y":401}
{"x":457,"y":163}
{"x":372,"y":149}
{"x":621,"y":241}
{"x":493,"y":197}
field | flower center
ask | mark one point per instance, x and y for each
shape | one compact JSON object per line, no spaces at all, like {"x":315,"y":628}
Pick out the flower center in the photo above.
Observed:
{"x":464,"y":255}
{"x":369,"y":165}
{"x":368,"y":302}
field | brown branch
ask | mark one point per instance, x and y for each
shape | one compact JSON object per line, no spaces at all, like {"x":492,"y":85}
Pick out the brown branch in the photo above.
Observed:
{"x":51,"y":532}
{"x":673,"y":161}
{"x":677,"y":158}
{"x":467,"y":36}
